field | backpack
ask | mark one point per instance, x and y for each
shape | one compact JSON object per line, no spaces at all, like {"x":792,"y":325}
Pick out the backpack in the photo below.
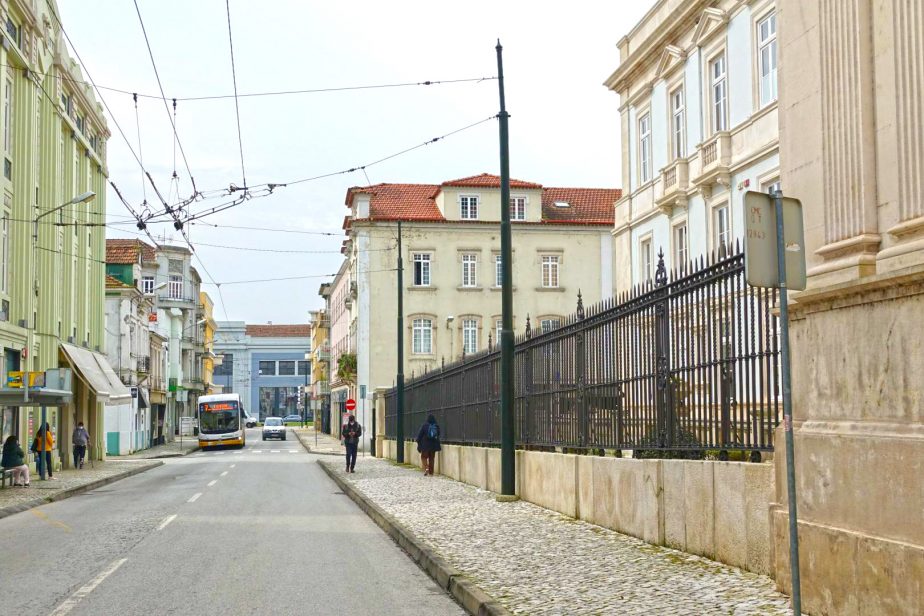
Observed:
{"x":433,"y":431}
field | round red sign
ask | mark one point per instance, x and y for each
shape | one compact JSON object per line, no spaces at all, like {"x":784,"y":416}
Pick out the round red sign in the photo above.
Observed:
{"x":351,"y":404}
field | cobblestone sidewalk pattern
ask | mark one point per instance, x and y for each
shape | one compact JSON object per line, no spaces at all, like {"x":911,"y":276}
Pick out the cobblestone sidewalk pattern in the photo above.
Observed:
{"x":326,"y":444}
{"x":535,"y":561}
{"x":173,"y":449}
{"x":14,"y":499}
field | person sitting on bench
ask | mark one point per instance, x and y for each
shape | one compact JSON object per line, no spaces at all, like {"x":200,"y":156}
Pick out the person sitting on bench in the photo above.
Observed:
{"x":14,"y":460}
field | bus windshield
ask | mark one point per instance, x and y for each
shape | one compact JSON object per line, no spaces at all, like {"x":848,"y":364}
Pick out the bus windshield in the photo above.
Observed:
{"x":218,"y":417}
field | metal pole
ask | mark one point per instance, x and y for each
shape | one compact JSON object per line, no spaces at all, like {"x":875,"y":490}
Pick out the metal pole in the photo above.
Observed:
{"x":399,"y":420}
{"x":43,"y":459}
{"x":508,"y":454}
{"x":787,"y":408}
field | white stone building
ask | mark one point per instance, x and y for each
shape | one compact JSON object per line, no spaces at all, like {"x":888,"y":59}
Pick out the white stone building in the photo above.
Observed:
{"x":697,"y":81}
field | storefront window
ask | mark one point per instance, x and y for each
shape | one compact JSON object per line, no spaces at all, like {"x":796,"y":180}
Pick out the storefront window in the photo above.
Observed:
{"x":278,"y":401}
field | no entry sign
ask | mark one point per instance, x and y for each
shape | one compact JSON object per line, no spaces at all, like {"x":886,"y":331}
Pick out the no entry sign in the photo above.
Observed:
{"x":351,"y":404}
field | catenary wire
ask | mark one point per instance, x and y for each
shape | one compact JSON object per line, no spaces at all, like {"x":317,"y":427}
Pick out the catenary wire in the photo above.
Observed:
{"x":237,"y":106}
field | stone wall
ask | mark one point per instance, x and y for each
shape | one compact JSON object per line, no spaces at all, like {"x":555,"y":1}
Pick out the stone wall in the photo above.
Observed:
{"x":714,"y":509}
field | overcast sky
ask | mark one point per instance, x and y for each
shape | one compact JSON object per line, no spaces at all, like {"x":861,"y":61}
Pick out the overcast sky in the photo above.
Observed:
{"x":564,"y":126}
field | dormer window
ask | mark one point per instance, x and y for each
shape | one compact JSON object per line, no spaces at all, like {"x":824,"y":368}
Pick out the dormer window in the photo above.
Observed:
{"x":468,"y":207}
{"x":517,"y":208}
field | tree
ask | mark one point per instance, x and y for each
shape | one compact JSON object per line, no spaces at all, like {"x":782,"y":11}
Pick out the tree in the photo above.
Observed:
{"x":346,"y":367}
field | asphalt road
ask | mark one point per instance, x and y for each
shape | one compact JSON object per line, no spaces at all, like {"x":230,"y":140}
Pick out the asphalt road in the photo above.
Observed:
{"x":255,"y":531}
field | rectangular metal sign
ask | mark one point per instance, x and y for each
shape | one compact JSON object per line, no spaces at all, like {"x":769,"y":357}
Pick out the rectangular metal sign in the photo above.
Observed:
{"x":362,"y":392}
{"x":760,"y":242}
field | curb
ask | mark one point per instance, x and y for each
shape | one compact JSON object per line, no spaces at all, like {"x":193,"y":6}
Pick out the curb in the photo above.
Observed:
{"x":37,"y":502}
{"x":317,"y":453}
{"x":472,"y":598}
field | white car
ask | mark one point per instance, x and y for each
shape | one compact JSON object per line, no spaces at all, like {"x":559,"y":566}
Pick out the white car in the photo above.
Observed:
{"x":273,"y":427}
{"x":250,"y":421}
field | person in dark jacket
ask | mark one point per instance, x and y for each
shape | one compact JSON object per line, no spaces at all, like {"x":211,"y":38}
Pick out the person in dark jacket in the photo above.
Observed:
{"x":351,"y":431}
{"x":15,"y":460}
{"x":428,"y":443}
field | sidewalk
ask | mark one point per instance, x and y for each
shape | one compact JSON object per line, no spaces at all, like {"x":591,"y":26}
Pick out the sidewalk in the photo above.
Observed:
{"x":167,"y":450}
{"x":326,"y":444}
{"x":69,"y":482}
{"x":530,"y":560}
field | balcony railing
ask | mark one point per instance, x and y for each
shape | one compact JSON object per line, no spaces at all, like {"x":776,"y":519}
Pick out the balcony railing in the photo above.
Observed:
{"x":144,"y":364}
{"x":322,"y":387}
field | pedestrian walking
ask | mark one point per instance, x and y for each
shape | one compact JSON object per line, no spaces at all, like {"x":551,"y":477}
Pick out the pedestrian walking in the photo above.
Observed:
{"x":42,"y":446}
{"x":428,"y":443}
{"x":14,"y":459}
{"x":351,"y":431}
{"x":80,"y":440}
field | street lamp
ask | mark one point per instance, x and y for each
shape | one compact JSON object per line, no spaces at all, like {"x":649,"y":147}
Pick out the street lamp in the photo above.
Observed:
{"x":82,"y":198}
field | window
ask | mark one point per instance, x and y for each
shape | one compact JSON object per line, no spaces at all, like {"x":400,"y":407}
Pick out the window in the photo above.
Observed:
{"x":548,"y":325}
{"x":645,"y":260}
{"x":518,"y":208}
{"x":8,"y":117}
{"x":550,"y":271}
{"x":4,"y":254}
{"x":644,"y":147}
{"x":678,"y":123}
{"x":304,"y":368}
{"x":147,"y":285}
{"x":422,"y":338}
{"x":175,"y":287}
{"x":287,"y":368}
{"x":469,"y":207}
{"x":498,"y":271}
{"x":772,"y":187}
{"x":717,"y":72}
{"x":226,"y":367}
{"x":469,"y":336}
{"x":766,"y":58}
{"x":681,"y":246}
{"x":469,"y":263}
{"x":498,"y":328}
{"x":421,"y":270}
{"x":14,"y":31}
{"x":267,"y":368}
{"x":722,"y":227}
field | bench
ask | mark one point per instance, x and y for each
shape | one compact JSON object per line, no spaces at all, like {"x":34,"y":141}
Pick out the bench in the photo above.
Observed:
{"x":7,"y":473}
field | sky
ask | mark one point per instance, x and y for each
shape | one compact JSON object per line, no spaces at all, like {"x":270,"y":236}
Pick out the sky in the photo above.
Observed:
{"x":564,"y":124}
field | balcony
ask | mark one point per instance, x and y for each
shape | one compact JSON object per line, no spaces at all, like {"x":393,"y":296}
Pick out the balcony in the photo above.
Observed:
{"x":322,"y":387}
{"x":175,"y":301}
{"x":715,"y":155}
{"x":194,"y":384}
{"x":322,"y":353}
{"x":144,"y":364}
{"x":675,"y":180}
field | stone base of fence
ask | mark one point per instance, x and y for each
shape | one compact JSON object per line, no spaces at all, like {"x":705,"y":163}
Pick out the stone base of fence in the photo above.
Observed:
{"x":719,"y":510}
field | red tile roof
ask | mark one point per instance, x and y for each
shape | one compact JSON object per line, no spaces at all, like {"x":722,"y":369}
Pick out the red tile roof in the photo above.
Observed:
{"x":125,"y":252}
{"x":112,"y":282}
{"x":417,"y":202}
{"x":585,"y":205}
{"x":278,"y":331}
{"x":486,"y":180}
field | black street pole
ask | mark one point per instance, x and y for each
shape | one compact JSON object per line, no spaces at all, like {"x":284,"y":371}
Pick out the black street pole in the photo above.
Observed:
{"x":508,"y":454}
{"x":399,"y":420}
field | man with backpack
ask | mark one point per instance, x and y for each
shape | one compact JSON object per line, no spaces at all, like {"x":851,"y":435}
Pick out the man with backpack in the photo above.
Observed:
{"x":428,"y":443}
{"x":351,"y":431}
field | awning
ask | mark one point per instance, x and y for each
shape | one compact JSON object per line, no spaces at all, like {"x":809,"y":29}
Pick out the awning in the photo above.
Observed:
{"x":94,"y":370}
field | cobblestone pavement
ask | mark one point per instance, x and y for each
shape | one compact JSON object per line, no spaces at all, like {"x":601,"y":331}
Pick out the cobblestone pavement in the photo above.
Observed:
{"x":39,"y":491}
{"x":535,"y":561}
{"x":188,"y":445}
{"x":325,"y":443}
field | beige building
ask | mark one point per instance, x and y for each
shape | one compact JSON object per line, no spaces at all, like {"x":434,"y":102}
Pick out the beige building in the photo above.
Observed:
{"x":852,"y":149}
{"x":562,"y":245}
{"x":697,"y":82}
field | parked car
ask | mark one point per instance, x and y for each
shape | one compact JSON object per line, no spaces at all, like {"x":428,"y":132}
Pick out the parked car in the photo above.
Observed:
{"x":274,"y":428}
{"x":250,"y":421}
{"x":289,"y":418}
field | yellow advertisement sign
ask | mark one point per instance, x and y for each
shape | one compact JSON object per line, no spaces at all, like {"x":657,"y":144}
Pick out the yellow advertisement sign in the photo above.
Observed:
{"x":14,"y":379}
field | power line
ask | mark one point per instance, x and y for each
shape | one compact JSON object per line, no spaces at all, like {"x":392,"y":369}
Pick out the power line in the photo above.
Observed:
{"x":298,"y":277}
{"x":161,"y":88}
{"x":283,"y":250}
{"x":237,"y":108}
{"x":381,"y":86}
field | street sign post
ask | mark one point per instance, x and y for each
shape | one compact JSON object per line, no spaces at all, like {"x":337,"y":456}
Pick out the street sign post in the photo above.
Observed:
{"x":351,"y":405}
{"x":774,"y":235}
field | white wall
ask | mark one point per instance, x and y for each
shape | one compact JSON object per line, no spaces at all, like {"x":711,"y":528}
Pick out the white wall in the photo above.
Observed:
{"x":740,"y":54}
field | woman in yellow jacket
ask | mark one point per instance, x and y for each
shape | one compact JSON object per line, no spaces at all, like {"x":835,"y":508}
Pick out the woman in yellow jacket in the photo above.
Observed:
{"x":42,"y":446}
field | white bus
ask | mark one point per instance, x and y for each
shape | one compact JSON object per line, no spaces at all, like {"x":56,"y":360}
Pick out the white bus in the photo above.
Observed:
{"x":221,"y":420}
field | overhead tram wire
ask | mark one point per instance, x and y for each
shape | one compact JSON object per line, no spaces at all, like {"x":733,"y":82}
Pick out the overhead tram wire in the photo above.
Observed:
{"x":382,"y":86}
{"x":161,"y":88}
{"x":237,"y":107}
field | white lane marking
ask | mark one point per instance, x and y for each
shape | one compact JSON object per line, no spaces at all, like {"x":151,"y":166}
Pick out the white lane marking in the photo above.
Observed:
{"x":75,"y":598}
{"x":232,"y":466}
{"x":219,"y":453}
{"x":212,"y":482}
{"x":223,"y":474}
{"x":274,"y":451}
{"x":194,"y":497}
{"x":258,"y":451}
{"x":166,"y":521}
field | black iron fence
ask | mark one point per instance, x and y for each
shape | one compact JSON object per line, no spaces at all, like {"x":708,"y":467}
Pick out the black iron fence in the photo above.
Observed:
{"x":684,"y":364}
